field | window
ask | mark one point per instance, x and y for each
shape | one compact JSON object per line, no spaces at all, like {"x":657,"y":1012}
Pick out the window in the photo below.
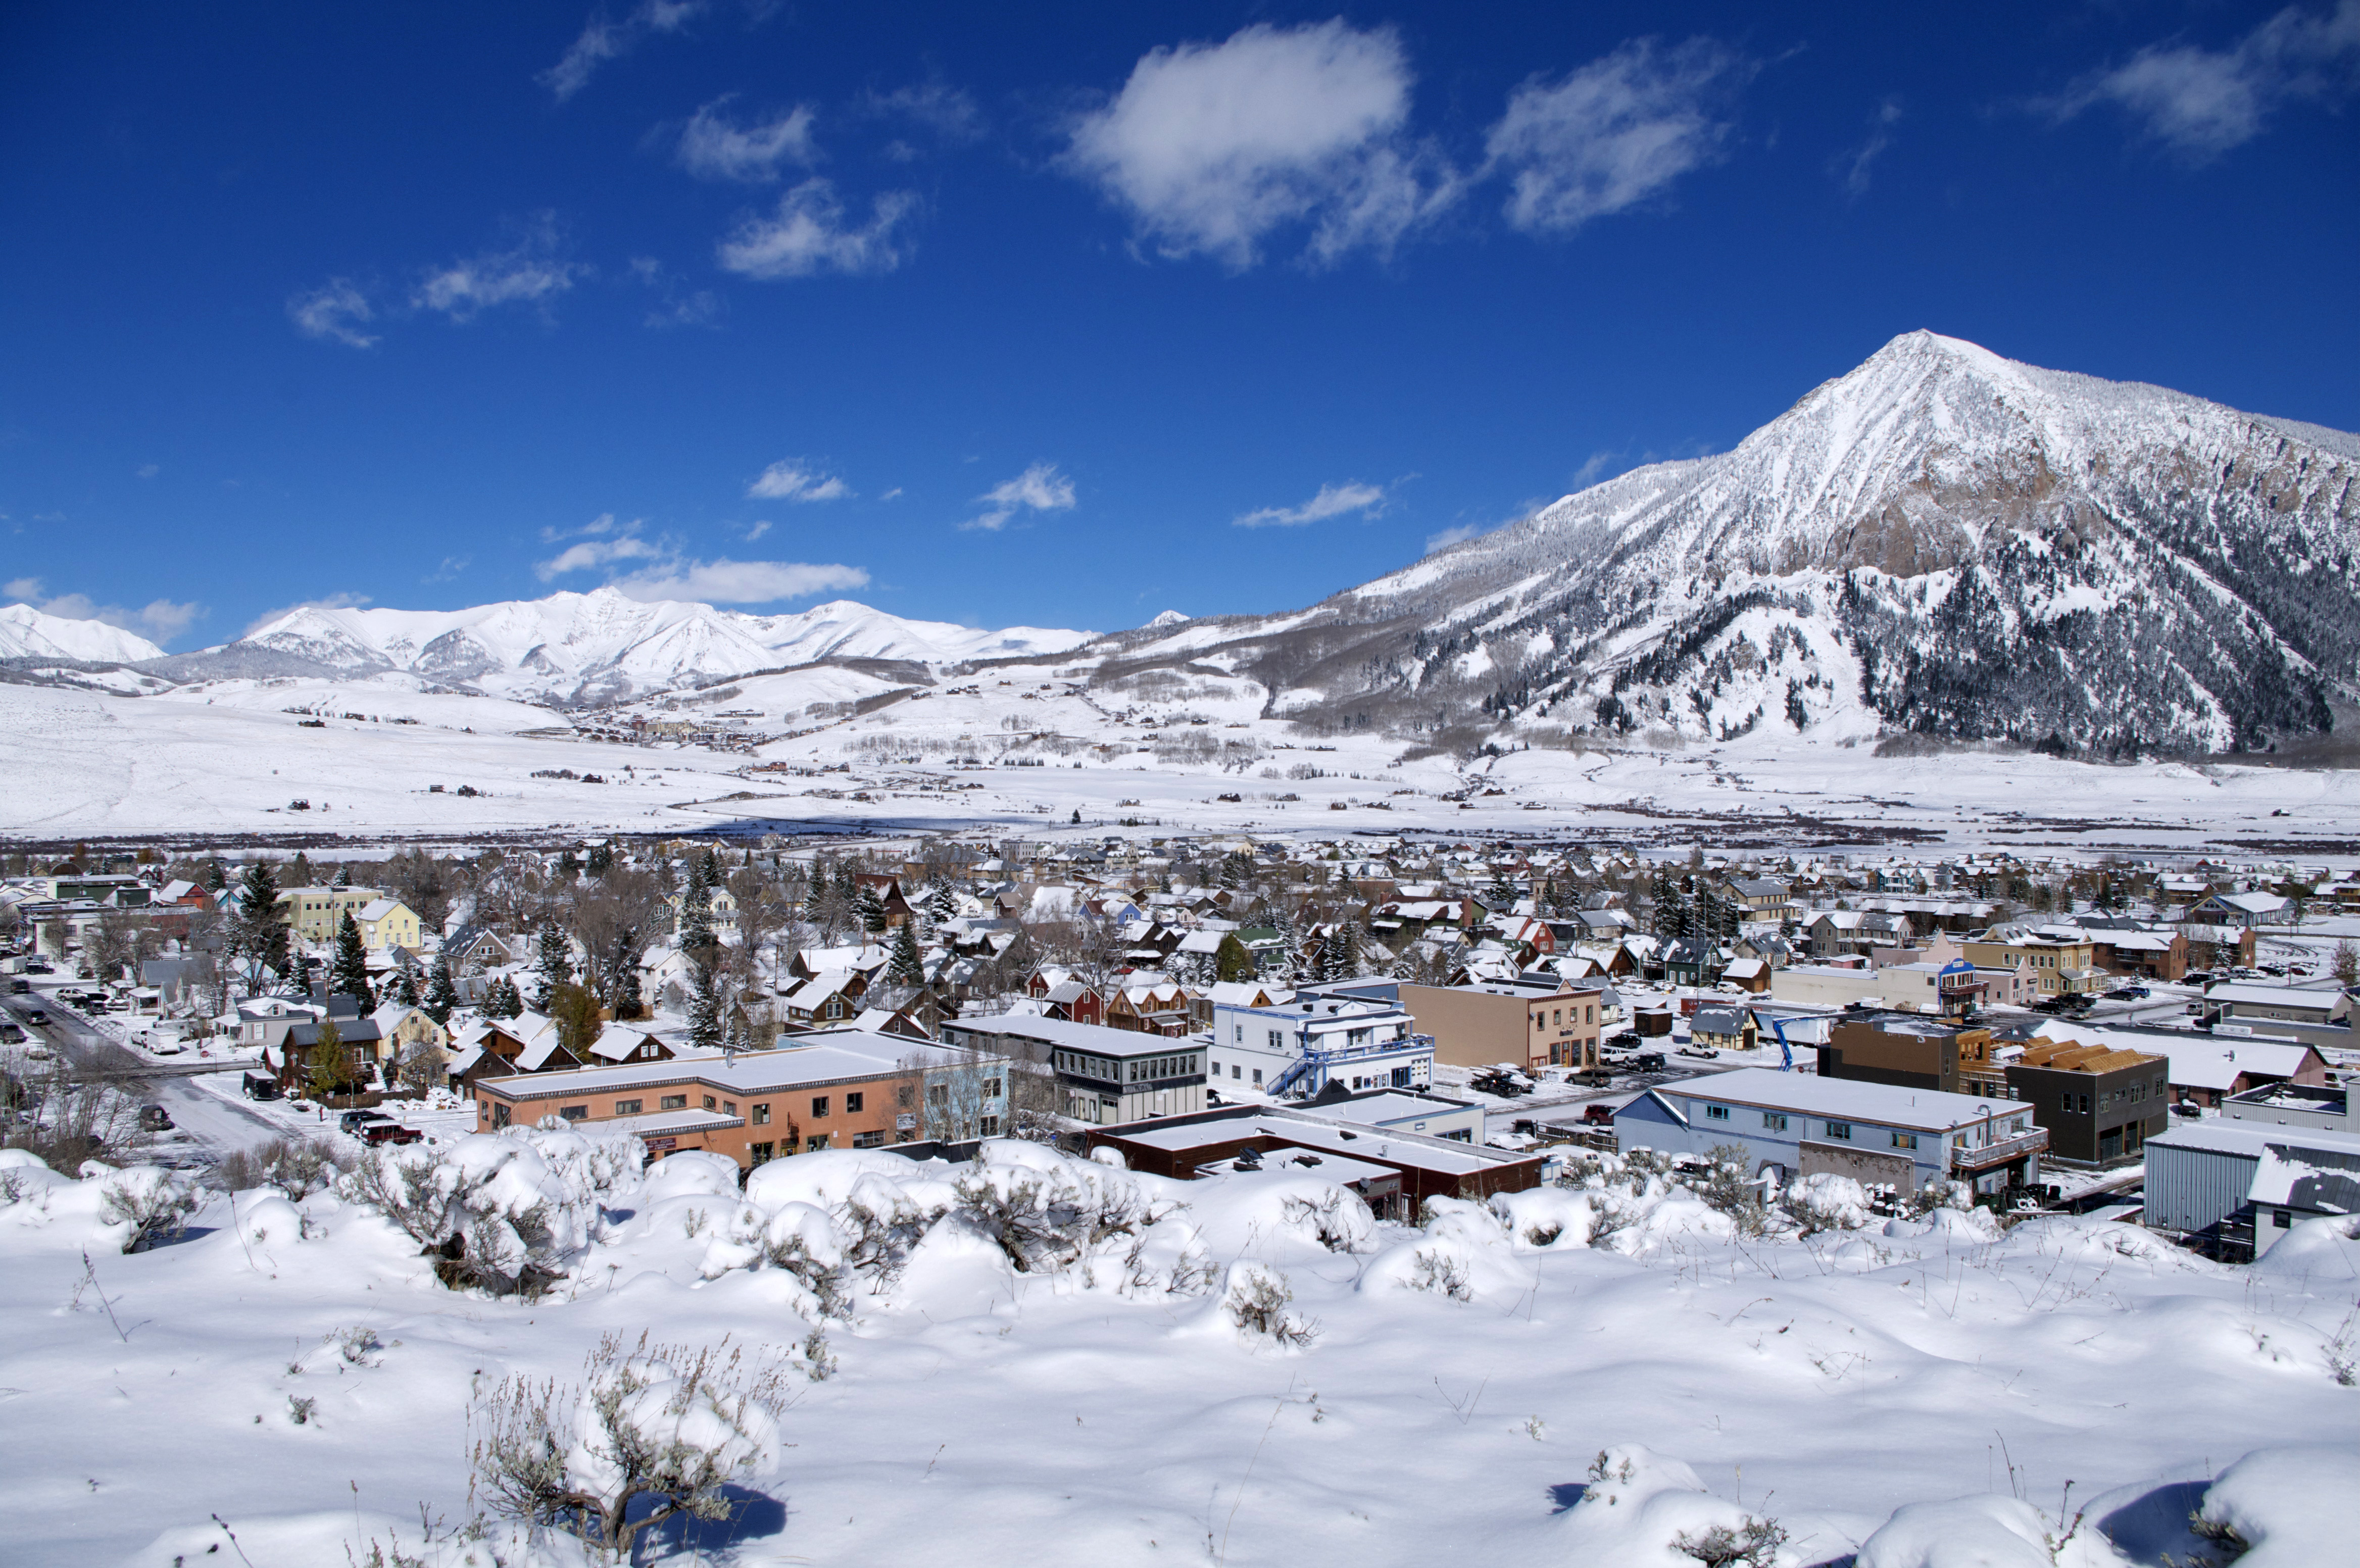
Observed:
{"x":673,"y":1102}
{"x":853,"y":1101}
{"x":575,"y":1113}
{"x":761,"y":1114}
{"x":729,"y":1107}
{"x":816,"y":1143}
{"x":758,"y":1153}
{"x":904,"y":1096}
{"x":1839,"y":1130}
{"x":1557,"y":1016}
{"x":708,"y":1102}
{"x":500,"y":1115}
{"x":1716,"y":1112}
{"x":1277,"y":1040}
{"x":626,"y":1107}
{"x":1905,"y":1140}
{"x":1241,"y":1034}
{"x":2085,"y":1105}
{"x":988,"y":1127}
{"x":1237,"y":1072}
{"x":871,"y":1140}
{"x":1257,"y":1078}
{"x":819,"y":1106}
{"x":938,"y":1095}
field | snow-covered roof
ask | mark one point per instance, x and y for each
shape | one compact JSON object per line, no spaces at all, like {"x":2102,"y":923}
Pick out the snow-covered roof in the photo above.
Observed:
{"x":1884,"y":1104}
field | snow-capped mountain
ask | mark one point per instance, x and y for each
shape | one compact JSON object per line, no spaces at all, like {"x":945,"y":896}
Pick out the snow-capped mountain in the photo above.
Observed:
{"x":595,"y":646}
{"x":28,"y":633}
{"x":1942,"y":542}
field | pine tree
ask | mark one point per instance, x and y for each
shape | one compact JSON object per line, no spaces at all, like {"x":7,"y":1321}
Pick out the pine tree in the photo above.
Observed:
{"x":403,"y":988}
{"x":704,"y":1022}
{"x":909,"y":965}
{"x":215,"y":878}
{"x":258,"y":894}
{"x":326,"y":1068}
{"x":348,"y":973}
{"x":870,"y":909}
{"x":343,"y":877}
{"x":442,"y":994}
{"x":556,"y":965}
{"x":696,"y":937}
{"x":501,"y":1001}
{"x":1348,"y":964}
{"x":299,"y":871}
{"x":942,"y":904}
{"x":602,"y":859}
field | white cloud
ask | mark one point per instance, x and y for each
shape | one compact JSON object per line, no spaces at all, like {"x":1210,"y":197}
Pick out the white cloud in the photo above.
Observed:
{"x":1213,"y":147}
{"x":1333,"y":500}
{"x":945,"y":110}
{"x":604,"y":39}
{"x":528,"y":272}
{"x":807,"y":234}
{"x":2201,"y":102}
{"x":588,"y":553}
{"x":1880,"y":137}
{"x":790,"y":479}
{"x":333,"y":601}
{"x":1613,"y":133}
{"x":334,"y":312}
{"x":740,"y":582}
{"x":147,"y":470}
{"x":678,"y":304}
{"x":1450,"y":536}
{"x":712,"y":147}
{"x":159,"y":620}
{"x":1039,"y":489}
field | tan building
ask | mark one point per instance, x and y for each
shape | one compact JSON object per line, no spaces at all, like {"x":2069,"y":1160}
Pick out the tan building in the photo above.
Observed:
{"x":387,"y":923}
{"x":315,"y":913}
{"x":1479,"y":1025}
{"x":840,"y":1090}
{"x":2064,"y":966}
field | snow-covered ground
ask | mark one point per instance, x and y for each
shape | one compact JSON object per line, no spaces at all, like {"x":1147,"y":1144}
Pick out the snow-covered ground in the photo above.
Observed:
{"x":228,"y":757}
{"x":1112,"y":1409}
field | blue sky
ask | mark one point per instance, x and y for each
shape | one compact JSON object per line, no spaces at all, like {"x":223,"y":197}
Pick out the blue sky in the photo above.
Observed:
{"x":1065,"y":314}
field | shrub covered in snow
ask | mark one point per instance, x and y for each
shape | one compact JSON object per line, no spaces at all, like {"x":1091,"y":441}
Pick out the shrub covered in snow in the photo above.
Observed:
{"x":146,"y":1202}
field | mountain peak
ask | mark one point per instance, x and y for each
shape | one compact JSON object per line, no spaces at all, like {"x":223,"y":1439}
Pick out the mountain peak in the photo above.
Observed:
{"x":30,"y":633}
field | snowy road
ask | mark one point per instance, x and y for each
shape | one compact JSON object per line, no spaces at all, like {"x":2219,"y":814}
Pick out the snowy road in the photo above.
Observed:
{"x":214,"y":1123}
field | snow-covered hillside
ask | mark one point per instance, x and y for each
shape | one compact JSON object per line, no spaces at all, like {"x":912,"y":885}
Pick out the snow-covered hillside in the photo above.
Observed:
{"x":601,"y":645}
{"x":1941,"y":541}
{"x":28,"y":633}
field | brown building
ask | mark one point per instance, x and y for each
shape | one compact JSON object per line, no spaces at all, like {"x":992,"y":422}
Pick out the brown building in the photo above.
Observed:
{"x":1528,"y":1026}
{"x":2099,"y":1104}
{"x":2064,"y":966}
{"x":842,"y":1088}
{"x":1906,"y":1050}
{"x":1183,"y":1148}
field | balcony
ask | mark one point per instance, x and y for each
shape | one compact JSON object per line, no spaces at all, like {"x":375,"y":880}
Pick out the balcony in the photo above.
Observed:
{"x":2000,"y":1152}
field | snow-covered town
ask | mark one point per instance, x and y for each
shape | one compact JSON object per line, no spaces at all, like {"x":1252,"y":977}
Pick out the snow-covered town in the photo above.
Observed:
{"x":1343,"y":1109}
{"x":1237,"y":784}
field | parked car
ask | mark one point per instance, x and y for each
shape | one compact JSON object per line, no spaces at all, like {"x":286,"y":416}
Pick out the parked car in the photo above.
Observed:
{"x":11,"y":1035}
{"x":378,"y":1132}
{"x":356,"y":1120}
{"x":1648,"y":1061}
{"x":1693,"y":1049}
{"x":155,"y":1119}
{"x":36,"y":1015}
{"x":19,"y":986}
{"x":1496,"y":1081}
{"x":1598,"y":1116}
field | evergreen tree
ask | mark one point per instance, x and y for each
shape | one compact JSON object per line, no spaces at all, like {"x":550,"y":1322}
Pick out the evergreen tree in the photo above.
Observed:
{"x":622,"y":991}
{"x":215,"y":878}
{"x":1231,"y":960}
{"x":556,"y":964}
{"x":441,"y":997}
{"x":403,"y":987}
{"x":343,"y":877}
{"x":909,"y":965}
{"x":942,"y":904}
{"x":575,"y":1013}
{"x":501,"y":1001}
{"x":299,"y":874}
{"x":1347,"y":962}
{"x":697,"y":939}
{"x":602,"y":859}
{"x":327,"y":1068}
{"x":870,"y":910}
{"x":348,"y":974}
{"x":286,"y":961}
{"x":258,"y":894}
{"x":704,"y":1021}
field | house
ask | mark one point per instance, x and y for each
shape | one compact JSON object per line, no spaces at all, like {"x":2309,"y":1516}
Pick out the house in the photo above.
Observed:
{"x":1724,"y":1028}
{"x":488,"y":1048}
{"x":2064,"y":958}
{"x":1301,"y":1047}
{"x":2205,"y":1069}
{"x":363,"y":1044}
{"x":400,"y":1026}
{"x":2286,"y":1004}
{"x":2100,"y":1103}
{"x":264,"y":1022}
{"x":1394,"y":1173}
{"x":1073,"y":1000}
{"x":1150,"y":1009}
{"x":386,"y":924}
{"x":1548,"y":1025}
{"x":1747,"y":974}
{"x":2241,"y":911}
{"x":621,"y":1043}
{"x":1104,"y":1075}
{"x":1877,"y":1134}
{"x":1763,"y":898}
{"x":1692,"y":961}
{"x":1233,"y":993}
{"x":836,"y":1089}
{"x":2219,"y":947}
{"x":827,"y":1000}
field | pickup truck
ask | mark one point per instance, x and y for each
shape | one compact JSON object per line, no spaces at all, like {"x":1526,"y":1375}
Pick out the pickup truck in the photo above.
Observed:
{"x":377,"y":1133}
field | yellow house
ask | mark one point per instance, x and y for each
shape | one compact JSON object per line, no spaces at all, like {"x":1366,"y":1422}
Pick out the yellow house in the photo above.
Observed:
{"x":315,"y":913}
{"x":387,"y":923}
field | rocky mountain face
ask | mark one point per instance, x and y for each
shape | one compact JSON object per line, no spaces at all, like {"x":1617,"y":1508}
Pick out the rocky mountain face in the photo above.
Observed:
{"x":1942,"y":542}
{"x":30,"y":633}
{"x":593,"y":647}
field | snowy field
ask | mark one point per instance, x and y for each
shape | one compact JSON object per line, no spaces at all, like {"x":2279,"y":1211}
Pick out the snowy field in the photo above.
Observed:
{"x":232,"y":757}
{"x":1115,"y":1402}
